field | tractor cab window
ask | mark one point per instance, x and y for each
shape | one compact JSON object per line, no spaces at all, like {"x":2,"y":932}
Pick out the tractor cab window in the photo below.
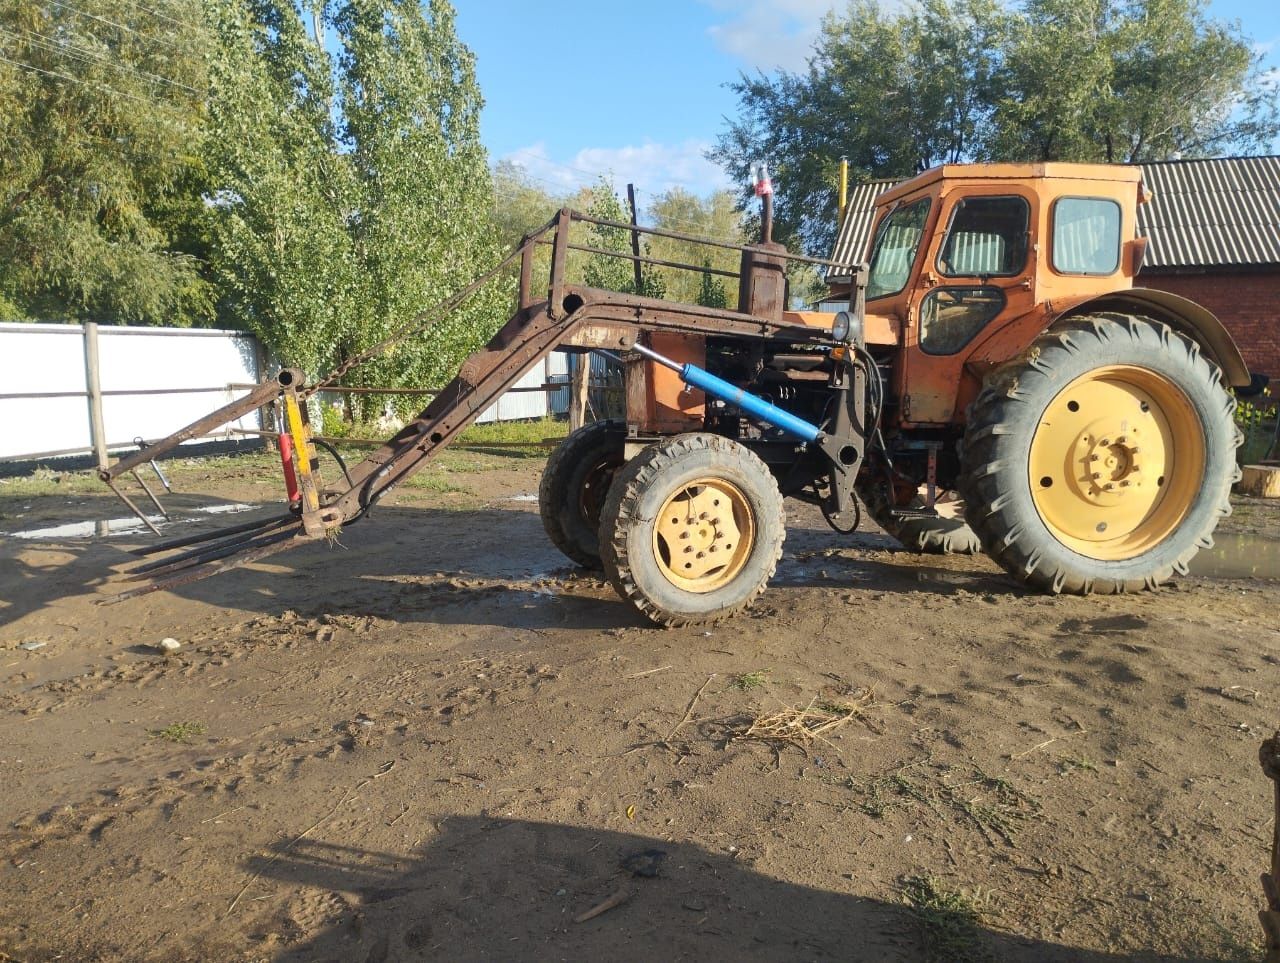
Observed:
{"x":950,"y":317}
{"x":894,"y":251}
{"x":1086,"y":235}
{"x":987,"y":237}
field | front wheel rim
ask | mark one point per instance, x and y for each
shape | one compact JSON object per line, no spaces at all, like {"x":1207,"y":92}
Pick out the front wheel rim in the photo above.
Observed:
{"x":704,"y":535}
{"x":1116,"y":462}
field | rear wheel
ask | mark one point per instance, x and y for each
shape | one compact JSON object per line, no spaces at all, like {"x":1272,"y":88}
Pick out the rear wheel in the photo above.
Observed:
{"x":1103,"y":461}
{"x":574,"y":486}
{"x":692,"y":530}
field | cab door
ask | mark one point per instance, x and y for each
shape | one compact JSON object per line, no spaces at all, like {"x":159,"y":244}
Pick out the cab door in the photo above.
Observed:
{"x":978,"y":271}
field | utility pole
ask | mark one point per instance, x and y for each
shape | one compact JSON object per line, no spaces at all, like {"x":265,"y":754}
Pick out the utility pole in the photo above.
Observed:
{"x":635,"y":238}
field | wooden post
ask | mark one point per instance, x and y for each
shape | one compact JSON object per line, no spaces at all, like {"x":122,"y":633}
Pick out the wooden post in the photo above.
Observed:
{"x":93,"y":390}
{"x":635,"y":238}
{"x":578,"y":394}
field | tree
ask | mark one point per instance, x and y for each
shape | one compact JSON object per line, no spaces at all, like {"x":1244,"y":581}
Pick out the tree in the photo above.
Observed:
{"x":711,"y":292}
{"x":352,"y":191}
{"x":713,"y":217}
{"x":1127,"y":82}
{"x":894,"y":92}
{"x":520,"y":206}
{"x":98,"y":181}
{"x":1098,"y":80}
{"x":615,"y":273}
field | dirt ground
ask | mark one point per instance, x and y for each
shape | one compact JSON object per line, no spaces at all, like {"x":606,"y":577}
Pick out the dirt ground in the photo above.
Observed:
{"x":439,"y":741}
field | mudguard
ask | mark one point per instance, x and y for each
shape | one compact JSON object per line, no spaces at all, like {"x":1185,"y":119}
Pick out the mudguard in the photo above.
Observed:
{"x":1184,"y":316}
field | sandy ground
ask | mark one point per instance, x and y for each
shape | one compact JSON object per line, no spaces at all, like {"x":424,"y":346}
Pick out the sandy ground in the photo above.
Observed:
{"x":438,"y":741}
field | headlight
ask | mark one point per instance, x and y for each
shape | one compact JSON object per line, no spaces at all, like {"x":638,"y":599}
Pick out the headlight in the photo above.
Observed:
{"x":842,"y":327}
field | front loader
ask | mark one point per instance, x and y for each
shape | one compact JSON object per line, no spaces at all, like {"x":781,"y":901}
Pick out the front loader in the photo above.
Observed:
{"x":1085,"y":426}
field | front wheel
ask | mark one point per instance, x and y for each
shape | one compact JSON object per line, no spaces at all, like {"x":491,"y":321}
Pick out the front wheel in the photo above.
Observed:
{"x":692,"y":530}
{"x":1103,"y":460}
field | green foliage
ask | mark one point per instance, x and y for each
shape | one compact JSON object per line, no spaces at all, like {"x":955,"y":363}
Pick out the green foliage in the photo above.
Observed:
{"x":520,"y":206}
{"x":98,"y":178}
{"x":713,"y":217}
{"x":353,"y":189}
{"x":180,"y":732}
{"x":711,"y":293}
{"x":615,"y":273}
{"x":1127,"y":82}
{"x":938,"y":82}
{"x":1256,"y":420}
{"x":950,"y":919}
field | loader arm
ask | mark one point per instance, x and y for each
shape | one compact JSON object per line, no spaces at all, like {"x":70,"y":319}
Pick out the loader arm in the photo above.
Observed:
{"x":569,"y":316}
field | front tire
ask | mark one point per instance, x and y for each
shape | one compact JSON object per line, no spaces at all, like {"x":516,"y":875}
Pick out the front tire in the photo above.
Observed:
{"x":692,"y":530}
{"x":574,"y":486}
{"x":1102,"y":460}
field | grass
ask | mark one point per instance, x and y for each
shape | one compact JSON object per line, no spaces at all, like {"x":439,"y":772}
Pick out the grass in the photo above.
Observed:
{"x":529,"y":432}
{"x":950,"y":919}
{"x":438,"y":485}
{"x":746,"y":681}
{"x":1070,"y":764}
{"x":990,"y":804}
{"x":181,"y":732}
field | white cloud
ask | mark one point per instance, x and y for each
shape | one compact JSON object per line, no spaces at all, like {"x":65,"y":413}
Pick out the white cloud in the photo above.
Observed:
{"x":651,"y":167}
{"x":769,"y":34}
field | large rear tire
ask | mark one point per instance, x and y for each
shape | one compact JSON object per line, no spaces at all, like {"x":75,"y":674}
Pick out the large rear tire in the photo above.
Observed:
{"x":574,"y":486}
{"x":692,"y":530}
{"x":1103,"y":459}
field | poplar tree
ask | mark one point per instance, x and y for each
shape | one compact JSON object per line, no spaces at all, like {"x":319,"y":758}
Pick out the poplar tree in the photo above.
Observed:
{"x":353,"y":190}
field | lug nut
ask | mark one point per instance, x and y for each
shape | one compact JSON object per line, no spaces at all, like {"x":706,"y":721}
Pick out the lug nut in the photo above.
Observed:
{"x":1093,"y":457}
{"x":1096,"y":474}
{"x":684,"y":534}
{"x":701,"y":555}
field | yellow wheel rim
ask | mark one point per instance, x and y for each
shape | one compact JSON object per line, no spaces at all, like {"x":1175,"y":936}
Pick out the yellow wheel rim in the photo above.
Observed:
{"x":704,"y":535}
{"x":1116,"y":462}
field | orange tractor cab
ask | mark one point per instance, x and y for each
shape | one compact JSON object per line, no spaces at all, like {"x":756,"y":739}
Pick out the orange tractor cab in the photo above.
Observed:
{"x":996,"y":385}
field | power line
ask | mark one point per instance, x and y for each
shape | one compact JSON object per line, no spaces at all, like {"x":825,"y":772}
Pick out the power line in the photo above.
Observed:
{"x":83,"y":83}
{"x":163,"y":16}
{"x":84,"y":55}
{"x":112,"y":23}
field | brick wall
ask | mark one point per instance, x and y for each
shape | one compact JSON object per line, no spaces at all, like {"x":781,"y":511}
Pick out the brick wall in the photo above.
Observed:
{"x":1248,"y":303}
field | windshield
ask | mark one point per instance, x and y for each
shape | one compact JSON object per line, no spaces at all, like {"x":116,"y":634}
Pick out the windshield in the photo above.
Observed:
{"x":895,"y":248}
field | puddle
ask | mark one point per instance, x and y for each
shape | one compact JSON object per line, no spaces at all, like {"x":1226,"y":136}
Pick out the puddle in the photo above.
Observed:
{"x":106,"y":527}
{"x":1239,"y":556}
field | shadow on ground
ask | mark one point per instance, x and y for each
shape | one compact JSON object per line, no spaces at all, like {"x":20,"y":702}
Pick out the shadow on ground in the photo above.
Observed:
{"x":510,"y":889}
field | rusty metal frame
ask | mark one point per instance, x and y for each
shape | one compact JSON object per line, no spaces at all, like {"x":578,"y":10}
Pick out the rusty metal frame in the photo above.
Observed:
{"x":568,"y":315}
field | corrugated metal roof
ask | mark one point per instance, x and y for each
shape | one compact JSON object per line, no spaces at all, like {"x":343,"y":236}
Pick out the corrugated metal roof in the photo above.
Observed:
{"x":855,"y":232}
{"x":1211,"y":213}
{"x":1218,"y":212}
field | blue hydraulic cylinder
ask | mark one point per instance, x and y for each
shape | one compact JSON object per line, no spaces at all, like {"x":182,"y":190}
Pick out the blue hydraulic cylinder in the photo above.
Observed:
{"x":720,"y":389}
{"x":757,"y":408}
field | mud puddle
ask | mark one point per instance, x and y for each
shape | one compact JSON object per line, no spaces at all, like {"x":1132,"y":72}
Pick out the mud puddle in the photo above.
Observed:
{"x":1237,"y":556}
{"x":105,"y":527}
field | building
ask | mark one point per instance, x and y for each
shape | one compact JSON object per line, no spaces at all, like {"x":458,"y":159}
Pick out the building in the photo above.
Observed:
{"x":1214,"y":230}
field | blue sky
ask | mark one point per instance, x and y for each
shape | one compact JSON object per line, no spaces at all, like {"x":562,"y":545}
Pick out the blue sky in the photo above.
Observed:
{"x":637,"y":90}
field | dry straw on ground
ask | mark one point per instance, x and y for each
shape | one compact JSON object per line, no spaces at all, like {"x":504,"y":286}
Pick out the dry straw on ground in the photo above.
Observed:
{"x":796,"y":726}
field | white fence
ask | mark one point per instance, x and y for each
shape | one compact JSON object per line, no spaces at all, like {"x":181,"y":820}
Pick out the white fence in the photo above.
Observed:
{"x":154,"y":381}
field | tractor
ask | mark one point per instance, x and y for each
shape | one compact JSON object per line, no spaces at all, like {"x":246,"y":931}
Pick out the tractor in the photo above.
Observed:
{"x":997,"y":383}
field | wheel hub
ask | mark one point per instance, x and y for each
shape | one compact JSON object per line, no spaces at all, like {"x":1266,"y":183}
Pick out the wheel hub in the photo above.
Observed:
{"x":703,"y":535}
{"x":1116,"y":462}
